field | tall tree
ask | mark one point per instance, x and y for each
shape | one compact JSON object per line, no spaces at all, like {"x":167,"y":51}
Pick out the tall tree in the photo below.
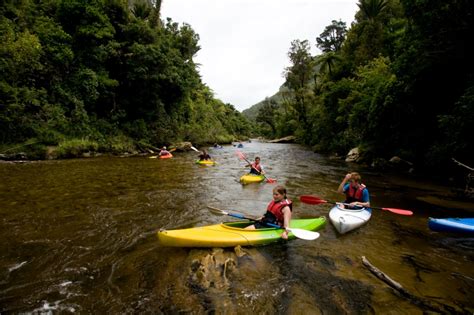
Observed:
{"x":299,"y":76}
{"x":332,"y":37}
{"x":268,"y":114}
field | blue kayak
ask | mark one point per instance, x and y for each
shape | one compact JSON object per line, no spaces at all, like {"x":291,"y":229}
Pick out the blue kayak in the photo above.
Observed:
{"x":456,"y":225}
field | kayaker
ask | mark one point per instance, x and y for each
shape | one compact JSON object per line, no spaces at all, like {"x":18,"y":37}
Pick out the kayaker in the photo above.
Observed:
{"x":204,"y":156}
{"x":163,"y":151}
{"x":278,"y":212}
{"x":255,"y":167}
{"x":357,"y":194}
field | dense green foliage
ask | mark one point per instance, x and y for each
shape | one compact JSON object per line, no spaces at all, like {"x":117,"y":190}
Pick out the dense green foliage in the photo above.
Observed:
{"x":106,"y":75}
{"x":400,"y":82}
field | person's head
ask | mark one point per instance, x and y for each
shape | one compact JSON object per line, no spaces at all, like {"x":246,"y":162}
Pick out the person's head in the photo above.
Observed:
{"x":355,"y":177}
{"x":279,"y":193}
{"x":257,"y":160}
{"x":204,"y":152}
{"x":164,"y":148}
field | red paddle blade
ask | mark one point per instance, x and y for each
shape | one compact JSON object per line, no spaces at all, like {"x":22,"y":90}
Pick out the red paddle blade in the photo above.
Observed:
{"x":240,"y":155}
{"x":312,"y":200}
{"x":271,"y":180}
{"x":399,"y":211}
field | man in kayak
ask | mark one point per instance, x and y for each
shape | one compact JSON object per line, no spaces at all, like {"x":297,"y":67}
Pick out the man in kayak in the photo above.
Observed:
{"x":255,"y":167}
{"x":163,"y":151}
{"x":278,"y":212}
{"x":204,"y":156}
{"x":357,"y":194}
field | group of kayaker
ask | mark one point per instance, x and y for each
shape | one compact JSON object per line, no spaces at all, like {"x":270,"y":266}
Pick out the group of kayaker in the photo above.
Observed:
{"x":279,"y":210}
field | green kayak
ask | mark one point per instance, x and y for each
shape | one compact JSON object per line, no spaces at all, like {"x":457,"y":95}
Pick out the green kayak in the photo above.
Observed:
{"x":230,"y":234}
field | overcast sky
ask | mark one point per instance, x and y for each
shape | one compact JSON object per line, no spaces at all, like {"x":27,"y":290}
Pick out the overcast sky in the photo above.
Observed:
{"x":244,"y":43}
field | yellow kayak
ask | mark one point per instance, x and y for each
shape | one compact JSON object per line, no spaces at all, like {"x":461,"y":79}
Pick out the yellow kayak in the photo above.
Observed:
{"x":205,"y":162}
{"x":230,"y":234}
{"x":251,"y":178}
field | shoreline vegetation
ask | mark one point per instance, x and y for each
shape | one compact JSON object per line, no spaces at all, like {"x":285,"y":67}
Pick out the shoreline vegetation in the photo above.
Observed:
{"x":79,"y":78}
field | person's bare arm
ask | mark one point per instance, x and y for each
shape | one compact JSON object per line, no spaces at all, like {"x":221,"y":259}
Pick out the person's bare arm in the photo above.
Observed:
{"x":340,"y":189}
{"x":286,"y":221}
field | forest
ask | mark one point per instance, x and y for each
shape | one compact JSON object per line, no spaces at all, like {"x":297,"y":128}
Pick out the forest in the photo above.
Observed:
{"x":103,"y":76}
{"x":114,"y":76}
{"x":397,"y":82}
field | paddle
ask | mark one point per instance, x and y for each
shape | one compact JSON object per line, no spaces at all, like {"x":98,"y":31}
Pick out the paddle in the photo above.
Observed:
{"x":193,"y":148}
{"x":299,"y":233}
{"x":313,"y":200}
{"x":242,"y":157}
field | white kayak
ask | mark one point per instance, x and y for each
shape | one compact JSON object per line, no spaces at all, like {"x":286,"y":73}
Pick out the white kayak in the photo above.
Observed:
{"x":345,"y":220}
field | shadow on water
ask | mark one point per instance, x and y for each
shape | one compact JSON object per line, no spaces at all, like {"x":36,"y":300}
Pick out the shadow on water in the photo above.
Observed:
{"x":80,"y":236}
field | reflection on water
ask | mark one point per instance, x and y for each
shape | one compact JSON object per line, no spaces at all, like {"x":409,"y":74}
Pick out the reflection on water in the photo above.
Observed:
{"x":80,"y":236}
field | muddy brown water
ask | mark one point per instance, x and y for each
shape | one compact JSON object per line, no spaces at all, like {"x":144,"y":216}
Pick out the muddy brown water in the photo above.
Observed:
{"x":79,"y":236}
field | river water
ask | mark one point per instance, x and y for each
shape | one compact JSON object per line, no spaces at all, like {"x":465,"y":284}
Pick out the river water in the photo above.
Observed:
{"x":79,"y":236}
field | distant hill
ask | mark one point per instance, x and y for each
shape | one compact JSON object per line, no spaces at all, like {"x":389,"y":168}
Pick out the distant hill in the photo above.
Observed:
{"x":251,"y":113}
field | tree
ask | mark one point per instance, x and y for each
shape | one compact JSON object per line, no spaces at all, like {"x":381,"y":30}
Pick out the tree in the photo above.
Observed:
{"x":332,"y":37}
{"x":298,"y":80}
{"x":268,"y":114}
{"x":371,"y":9}
{"x":327,"y":61}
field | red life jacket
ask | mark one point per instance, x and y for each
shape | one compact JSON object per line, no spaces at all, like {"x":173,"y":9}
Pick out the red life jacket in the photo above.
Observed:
{"x":275,"y":210}
{"x":257,"y":167}
{"x":353,"y":194}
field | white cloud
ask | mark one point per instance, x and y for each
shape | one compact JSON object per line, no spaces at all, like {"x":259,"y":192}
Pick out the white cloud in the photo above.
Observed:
{"x":244,"y":43}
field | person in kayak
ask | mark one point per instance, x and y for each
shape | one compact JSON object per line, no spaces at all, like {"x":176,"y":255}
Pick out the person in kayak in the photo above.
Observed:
{"x":357,"y":194}
{"x":163,"y":151}
{"x":255,"y":167}
{"x":204,"y":156}
{"x":278,"y":212}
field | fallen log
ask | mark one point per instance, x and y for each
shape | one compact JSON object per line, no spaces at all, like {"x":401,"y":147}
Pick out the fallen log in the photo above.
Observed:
{"x":420,"y":302}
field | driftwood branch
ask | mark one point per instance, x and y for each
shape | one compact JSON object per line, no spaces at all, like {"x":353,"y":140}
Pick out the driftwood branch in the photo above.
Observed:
{"x":463,"y":165}
{"x":422,"y":303}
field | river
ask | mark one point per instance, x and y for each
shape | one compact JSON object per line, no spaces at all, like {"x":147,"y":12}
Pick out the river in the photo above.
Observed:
{"x":79,"y":236}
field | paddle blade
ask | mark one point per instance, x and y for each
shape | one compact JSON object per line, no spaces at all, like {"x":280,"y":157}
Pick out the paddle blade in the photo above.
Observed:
{"x":217,"y":210}
{"x":312,"y":200}
{"x":398,"y":211}
{"x":193,"y":148}
{"x":271,"y":180}
{"x":240,"y":155}
{"x":304,"y":234}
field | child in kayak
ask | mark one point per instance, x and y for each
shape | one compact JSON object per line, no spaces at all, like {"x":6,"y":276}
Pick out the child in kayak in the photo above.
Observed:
{"x":255,"y":167}
{"x":204,"y":156}
{"x":163,"y":151}
{"x":357,"y":194}
{"x":278,"y":212}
